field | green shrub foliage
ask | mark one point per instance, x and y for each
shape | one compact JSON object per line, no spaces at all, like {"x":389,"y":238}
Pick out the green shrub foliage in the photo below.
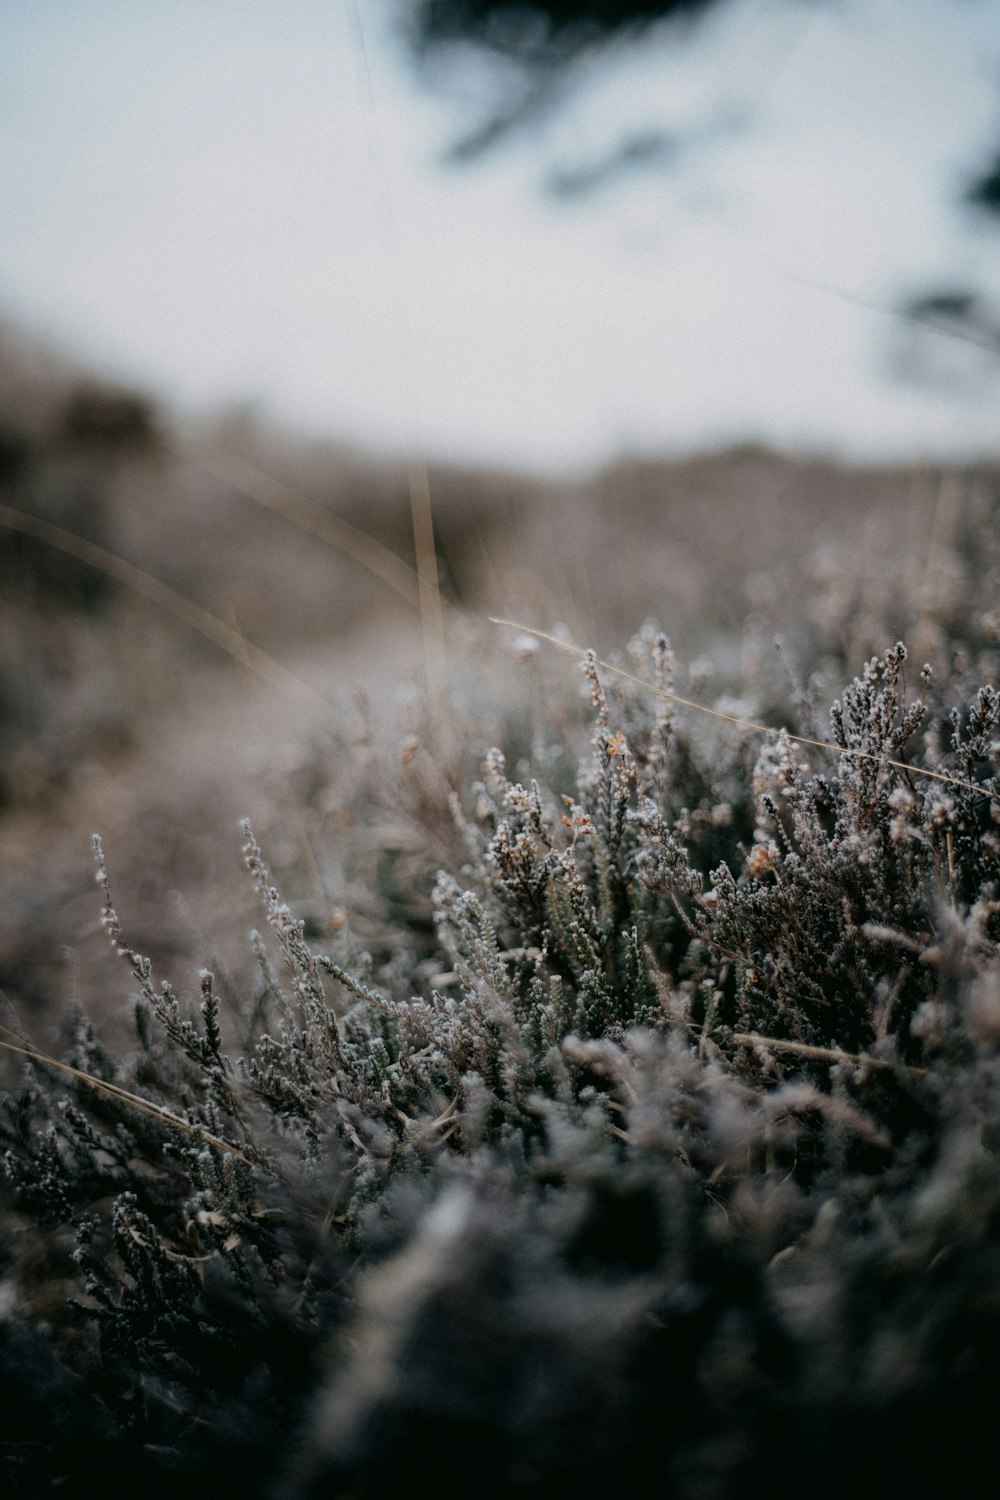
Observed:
{"x":666,"y":1164}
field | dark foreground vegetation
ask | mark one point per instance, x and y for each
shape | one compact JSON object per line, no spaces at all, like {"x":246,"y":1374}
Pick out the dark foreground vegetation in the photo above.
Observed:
{"x":631,"y":1129}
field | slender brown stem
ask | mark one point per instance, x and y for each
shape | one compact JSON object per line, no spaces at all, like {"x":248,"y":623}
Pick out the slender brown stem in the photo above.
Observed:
{"x":717,"y":713}
{"x":822,"y":1054}
{"x":274,"y":495}
{"x":193,"y":615}
{"x":145,"y":1106}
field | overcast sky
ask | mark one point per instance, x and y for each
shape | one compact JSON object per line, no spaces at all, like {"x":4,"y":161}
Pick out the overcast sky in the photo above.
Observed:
{"x":237,"y":201}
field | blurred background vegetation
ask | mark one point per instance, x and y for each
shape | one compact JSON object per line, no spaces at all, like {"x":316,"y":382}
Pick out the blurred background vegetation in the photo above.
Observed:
{"x":116,"y":714}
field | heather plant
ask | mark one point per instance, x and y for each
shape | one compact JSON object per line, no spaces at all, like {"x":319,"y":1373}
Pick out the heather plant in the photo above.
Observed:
{"x":650,"y":1145}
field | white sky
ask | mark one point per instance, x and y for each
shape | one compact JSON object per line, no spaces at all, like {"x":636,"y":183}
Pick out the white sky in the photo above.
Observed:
{"x":202,"y":197}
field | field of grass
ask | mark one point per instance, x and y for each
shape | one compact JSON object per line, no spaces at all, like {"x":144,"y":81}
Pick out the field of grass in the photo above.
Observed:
{"x":608,"y":1098}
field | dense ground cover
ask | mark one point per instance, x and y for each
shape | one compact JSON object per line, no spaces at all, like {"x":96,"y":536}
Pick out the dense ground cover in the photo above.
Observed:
{"x":627,"y":1122}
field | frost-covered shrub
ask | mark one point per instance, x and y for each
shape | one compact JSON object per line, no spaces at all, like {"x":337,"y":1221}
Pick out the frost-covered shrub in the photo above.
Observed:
{"x":666,"y":1164}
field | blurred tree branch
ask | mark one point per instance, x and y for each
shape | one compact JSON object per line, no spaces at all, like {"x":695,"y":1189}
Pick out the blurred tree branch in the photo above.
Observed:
{"x":539,"y":50}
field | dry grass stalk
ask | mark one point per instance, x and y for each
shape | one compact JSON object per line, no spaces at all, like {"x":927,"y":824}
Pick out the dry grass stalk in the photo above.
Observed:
{"x":742,"y":723}
{"x":226,"y":637}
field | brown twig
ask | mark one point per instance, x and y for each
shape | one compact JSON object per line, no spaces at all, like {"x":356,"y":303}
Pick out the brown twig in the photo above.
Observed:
{"x":823,"y":1054}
